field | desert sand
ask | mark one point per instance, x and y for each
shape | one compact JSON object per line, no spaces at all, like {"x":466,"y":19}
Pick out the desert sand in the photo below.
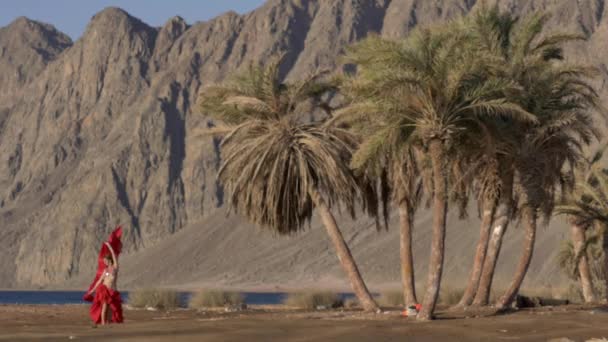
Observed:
{"x":70,"y":322}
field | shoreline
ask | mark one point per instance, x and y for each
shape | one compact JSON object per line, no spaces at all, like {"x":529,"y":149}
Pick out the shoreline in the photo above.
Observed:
{"x":252,"y":289}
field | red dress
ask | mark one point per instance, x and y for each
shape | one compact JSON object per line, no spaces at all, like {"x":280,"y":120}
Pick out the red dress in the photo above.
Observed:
{"x":104,"y":294}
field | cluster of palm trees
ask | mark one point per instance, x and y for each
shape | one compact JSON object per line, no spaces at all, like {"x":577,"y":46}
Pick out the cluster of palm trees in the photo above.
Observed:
{"x":484,"y":106}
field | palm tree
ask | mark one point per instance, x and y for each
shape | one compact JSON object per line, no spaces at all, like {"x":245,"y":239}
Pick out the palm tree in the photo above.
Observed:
{"x":385,"y":155}
{"x":491,"y":32}
{"x":490,"y":182}
{"x":488,"y":187}
{"x":559,"y":96}
{"x":276,"y":169}
{"x":579,"y":260}
{"x":585,"y":207}
{"x":502,"y":217}
{"x":434,"y":91}
{"x":523,"y":50}
{"x":580,"y":242}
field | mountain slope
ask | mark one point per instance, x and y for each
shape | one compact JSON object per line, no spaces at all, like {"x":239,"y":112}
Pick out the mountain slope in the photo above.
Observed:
{"x":105,"y":131}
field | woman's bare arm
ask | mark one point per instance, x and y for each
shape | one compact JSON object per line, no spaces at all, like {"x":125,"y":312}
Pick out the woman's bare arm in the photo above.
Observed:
{"x":114,"y":259}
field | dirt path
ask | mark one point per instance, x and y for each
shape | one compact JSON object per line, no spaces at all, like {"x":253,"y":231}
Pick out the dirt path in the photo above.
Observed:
{"x":70,"y":322}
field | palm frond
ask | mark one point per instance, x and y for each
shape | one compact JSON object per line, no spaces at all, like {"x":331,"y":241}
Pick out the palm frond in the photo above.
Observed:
{"x":271,"y":161}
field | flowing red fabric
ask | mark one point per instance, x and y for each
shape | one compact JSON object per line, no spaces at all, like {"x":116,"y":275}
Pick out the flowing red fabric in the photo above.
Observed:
{"x":104,"y":294}
{"x":114,"y":241}
{"x":111,"y":297}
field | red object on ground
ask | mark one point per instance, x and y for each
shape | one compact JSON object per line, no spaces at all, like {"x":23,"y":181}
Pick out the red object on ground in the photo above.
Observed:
{"x":417,"y":306}
{"x":103,"y":294}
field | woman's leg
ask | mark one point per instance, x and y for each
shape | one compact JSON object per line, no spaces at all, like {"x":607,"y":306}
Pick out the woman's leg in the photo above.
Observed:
{"x":104,"y":311}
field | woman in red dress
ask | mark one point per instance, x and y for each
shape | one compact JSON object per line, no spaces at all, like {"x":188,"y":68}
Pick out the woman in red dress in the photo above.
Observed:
{"x":107,"y":304}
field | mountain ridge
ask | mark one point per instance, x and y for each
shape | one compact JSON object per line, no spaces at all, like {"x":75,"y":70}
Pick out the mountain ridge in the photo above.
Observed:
{"x":109,"y":134}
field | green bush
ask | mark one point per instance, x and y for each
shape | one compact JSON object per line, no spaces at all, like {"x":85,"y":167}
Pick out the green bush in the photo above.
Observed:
{"x":312,"y":299}
{"x":154,"y":298}
{"x":214,"y":299}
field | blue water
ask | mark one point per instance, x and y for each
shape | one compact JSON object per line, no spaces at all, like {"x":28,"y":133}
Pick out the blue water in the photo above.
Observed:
{"x":75,"y":297}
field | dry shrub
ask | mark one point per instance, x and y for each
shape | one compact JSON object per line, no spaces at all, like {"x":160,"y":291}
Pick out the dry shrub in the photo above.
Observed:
{"x":391,"y":298}
{"x":154,"y":298}
{"x":572,"y":293}
{"x":450,"y":296}
{"x":352,"y":303}
{"x":312,"y":299}
{"x":495,"y":295}
{"x":539,"y":291}
{"x":214,"y":299}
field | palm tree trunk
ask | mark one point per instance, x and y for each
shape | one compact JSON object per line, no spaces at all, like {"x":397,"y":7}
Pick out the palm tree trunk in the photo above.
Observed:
{"x":578,"y":241}
{"x":529,"y":221}
{"x":602,"y":230}
{"x":343,"y":252}
{"x":407,"y":263}
{"x":440,"y":209}
{"x":501,"y":222}
{"x":480,"y":254}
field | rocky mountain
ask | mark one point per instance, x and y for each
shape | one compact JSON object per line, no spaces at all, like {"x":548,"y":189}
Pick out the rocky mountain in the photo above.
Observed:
{"x":105,"y":130}
{"x":26,"y":48}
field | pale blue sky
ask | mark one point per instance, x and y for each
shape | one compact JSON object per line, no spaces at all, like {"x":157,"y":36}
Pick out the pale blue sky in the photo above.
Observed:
{"x":72,"y":16}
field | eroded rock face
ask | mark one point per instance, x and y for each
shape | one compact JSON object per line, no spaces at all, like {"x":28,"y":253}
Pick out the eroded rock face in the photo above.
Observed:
{"x":105,"y":130}
{"x":26,"y":48}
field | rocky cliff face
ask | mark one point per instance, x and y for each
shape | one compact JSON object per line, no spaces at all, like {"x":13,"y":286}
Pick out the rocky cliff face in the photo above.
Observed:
{"x":26,"y":48}
{"x":105,"y":130}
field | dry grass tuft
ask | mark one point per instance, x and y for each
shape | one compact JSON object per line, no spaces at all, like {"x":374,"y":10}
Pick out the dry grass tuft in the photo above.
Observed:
{"x":450,"y":296}
{"x":391,"y":298}
{"x":394,"y":297}
{"x":312,"y":300}
{"x":214,"y":299}
{"x":495,"y":295}
{"x":572,"y":293}
{"x":541,"y":291}
{"x":352,"y":303}
{"x":154,"y":298}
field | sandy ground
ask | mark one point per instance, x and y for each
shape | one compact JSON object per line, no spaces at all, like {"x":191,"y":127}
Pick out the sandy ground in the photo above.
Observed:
{"x":70,"y":322}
